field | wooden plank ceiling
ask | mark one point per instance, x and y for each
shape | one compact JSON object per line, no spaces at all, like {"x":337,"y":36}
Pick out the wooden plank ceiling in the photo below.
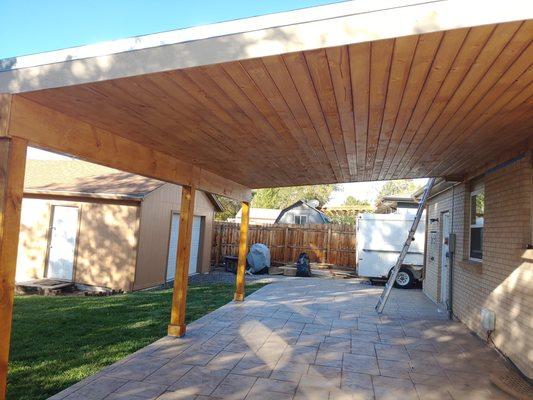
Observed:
{"x":428,"y":105}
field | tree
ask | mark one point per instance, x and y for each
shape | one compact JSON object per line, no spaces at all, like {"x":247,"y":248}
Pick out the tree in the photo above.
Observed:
{"x":230,"y":208}
{"x":398,"y":188}
{"x":342,"y":219}
{"x":279,"y":198}
{"x":352,"y":201}
{"x":348,"y":217}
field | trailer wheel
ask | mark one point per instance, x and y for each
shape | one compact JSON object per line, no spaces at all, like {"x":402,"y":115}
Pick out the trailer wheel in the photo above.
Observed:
{"x":404,"y":279}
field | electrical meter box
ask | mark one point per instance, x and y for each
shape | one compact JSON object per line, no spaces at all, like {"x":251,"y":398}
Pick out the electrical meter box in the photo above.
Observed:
{"x":451,"y":242}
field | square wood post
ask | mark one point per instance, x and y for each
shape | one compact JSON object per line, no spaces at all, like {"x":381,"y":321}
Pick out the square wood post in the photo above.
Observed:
{"x":243,"y":248}
{"x":12,"y":165}
{"x":177,"y":325}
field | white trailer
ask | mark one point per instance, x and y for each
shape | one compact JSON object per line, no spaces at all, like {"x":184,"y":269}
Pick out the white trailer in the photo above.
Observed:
{"x":380,"y":238}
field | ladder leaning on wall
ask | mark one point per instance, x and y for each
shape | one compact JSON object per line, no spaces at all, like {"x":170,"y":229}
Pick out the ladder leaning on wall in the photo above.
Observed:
{"x":410,"y":237}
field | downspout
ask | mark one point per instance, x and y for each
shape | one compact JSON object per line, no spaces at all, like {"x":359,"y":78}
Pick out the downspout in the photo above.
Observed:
{"x":450,"y":286}
{"x":426,"y":236}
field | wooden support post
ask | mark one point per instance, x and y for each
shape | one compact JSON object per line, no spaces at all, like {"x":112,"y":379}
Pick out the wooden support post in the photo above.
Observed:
{"x":12,"y":165}
{"x":177,"y":325}
{"x":243,"y":248}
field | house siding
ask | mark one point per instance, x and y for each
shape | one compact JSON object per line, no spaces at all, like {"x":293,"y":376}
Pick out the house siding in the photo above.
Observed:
{"x":156,"y":212}
{"x":503,"y":282}
{"x":33,"y":239}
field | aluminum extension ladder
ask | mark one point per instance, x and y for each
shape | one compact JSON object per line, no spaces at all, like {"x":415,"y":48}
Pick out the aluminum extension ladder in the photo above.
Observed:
{"x":410,"y":237}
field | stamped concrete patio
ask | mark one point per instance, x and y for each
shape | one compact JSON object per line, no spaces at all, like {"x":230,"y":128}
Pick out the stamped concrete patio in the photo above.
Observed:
{"x":308,"y":339}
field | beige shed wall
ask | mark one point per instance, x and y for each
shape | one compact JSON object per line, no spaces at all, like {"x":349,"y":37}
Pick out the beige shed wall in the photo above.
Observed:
{"x":503,"y":282}
{"x":33,"y":238}
{"x":156,"y":212}
{"x":106,"y":244}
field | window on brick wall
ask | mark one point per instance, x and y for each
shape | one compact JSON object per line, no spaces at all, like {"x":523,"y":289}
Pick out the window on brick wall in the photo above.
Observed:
{"x":477,"y":218}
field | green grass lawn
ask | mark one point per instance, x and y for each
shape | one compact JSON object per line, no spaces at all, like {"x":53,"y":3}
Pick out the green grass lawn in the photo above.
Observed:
{"x":57,"y":341}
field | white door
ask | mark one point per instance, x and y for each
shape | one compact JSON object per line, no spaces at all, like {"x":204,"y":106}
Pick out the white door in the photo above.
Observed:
{"x":62,"y":245}
{"x":173,"y":245}
{"x":445,"y":257}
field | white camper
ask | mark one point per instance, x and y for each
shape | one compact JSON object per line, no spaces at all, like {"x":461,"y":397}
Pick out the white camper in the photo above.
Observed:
{"x":380,"y":238}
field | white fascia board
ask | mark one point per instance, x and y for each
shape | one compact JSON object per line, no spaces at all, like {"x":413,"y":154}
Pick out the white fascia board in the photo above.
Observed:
{"x":317,"y":27}
{"x":202,"y":32}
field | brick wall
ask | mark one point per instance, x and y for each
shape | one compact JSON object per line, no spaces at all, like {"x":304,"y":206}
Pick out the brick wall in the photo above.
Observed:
{"x":444,"y":202}
{"x":503,"y":282}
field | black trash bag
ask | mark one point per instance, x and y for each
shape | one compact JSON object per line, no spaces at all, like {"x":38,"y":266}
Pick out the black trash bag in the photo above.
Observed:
{"x":263,"y":271}
{"x":303,"y":265}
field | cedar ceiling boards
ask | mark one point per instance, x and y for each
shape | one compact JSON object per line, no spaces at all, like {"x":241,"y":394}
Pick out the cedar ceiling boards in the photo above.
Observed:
{"x":411,"y":90}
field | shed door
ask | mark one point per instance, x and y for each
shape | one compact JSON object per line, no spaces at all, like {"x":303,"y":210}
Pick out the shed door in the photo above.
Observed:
{"x":173,"y":245}
{"x":62,"y":245}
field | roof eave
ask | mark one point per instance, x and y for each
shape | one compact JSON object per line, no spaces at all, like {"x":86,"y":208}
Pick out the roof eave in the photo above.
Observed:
{"x":216,"y":203}
{"x":68,"y":193}
{"x":317,"y":27}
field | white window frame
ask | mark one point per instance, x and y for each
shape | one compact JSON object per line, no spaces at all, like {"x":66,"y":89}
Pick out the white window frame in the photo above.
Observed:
{"x":471,"y":225}
{"x":300,"y":219}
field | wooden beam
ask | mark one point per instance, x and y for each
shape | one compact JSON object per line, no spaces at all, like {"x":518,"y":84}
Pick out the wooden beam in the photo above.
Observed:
{"x":243,"y":248}
{"x":454,"y":178}
{"x":5,"y":112}
{"x":51,"y":130}
{"x":504,"y":157}
{"x":177,"y":325}
{"x":12,"y":165}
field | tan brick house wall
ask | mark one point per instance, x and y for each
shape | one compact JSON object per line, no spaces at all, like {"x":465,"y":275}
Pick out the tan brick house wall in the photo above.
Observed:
{"x":503,"y":281}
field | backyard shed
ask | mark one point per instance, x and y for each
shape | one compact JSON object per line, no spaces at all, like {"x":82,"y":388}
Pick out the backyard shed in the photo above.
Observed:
{"x":94,"y":225}
{"x":301,"y":213}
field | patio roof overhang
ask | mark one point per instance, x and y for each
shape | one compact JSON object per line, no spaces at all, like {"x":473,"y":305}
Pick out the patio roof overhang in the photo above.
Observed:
{"x":355,"y":91}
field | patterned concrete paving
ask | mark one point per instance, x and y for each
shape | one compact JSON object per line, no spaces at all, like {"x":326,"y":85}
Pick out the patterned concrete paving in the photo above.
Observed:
{"x":308,"y":339}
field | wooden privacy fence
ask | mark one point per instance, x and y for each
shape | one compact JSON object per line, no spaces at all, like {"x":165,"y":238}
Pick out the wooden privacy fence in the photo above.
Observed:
{"x":328,"y":243}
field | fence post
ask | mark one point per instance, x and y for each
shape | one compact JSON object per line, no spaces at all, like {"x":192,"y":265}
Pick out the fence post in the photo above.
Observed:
{"x":218,"y":249}
{"x":328,"y":246}
{"x":285,"y":238}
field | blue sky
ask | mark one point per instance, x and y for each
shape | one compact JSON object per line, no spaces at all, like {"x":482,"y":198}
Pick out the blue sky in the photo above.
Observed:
{"x":34,"y":26}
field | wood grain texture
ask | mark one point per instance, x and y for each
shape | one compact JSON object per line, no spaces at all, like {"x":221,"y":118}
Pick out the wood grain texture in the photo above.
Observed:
{"x":49,"y":129}
{"x":181,"y":281}
{"x":5,"y":113}
{"x":409,"y":107}
{"x":325,"y":243}
{"x":240,"y":277}
{"x":12,"y":166}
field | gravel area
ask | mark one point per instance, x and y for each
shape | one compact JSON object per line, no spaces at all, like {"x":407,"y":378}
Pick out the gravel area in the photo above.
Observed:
{"x":220,"y":276}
